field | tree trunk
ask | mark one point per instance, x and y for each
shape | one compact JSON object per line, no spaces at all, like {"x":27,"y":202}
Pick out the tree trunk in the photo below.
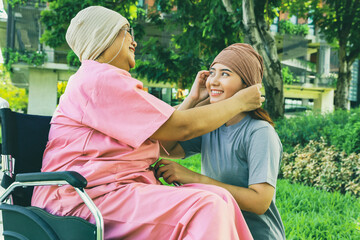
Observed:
{"x":262,"y":40}
{"x":343,"y":81}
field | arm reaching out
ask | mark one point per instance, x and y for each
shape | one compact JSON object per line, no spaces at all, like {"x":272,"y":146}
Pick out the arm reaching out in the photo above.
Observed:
{"x":256,"y":198}
{"x":190,"y":123}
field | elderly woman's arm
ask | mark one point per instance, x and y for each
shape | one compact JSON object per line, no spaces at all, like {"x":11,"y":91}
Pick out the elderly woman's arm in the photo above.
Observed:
{"x":187,"y":124}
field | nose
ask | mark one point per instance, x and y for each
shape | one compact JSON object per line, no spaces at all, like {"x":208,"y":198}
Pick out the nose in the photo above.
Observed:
{"x":134,"y":43}
{"x":214,"y":81}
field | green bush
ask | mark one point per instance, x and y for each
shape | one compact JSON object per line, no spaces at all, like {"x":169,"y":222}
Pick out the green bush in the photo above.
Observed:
{"x":72,"y":59}
{"x":287,"y":27}
{"x":17,"y":97}
{"x":35,"y":58}
{"x":340,"y":129}
{"x":323,"y":167}
{"x":288,"y":76}
{"x":299,"y":130}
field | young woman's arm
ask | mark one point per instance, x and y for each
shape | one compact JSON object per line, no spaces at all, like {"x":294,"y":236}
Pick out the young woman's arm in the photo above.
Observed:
{"x":256,"y":198}
{"x":197,"y":97}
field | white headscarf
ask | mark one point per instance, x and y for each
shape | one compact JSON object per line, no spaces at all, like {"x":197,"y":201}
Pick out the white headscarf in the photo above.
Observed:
{"x":93,"y":30}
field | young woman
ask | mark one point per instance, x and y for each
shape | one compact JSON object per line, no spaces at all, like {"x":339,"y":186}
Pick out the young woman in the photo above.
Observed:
{"x":243,"y":155}
{"x":107,"y":128}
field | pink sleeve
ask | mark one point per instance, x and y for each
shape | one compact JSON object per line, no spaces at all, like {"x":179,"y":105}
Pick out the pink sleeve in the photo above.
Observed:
{"x":118,"y":107}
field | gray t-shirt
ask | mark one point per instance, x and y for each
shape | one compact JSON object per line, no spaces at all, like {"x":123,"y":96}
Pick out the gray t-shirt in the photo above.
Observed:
{"x":243,"y":154}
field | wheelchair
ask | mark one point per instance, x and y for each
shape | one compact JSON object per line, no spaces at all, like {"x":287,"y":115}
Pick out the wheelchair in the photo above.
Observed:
{"x":24,"y":139}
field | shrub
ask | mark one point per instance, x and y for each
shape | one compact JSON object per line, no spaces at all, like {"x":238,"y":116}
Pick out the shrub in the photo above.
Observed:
{"x":72,"y":59}
{"x":287,"y":27}
{"x":340,"y":129}
{"x":288,"y":76}
{"x":323,"y":167}
{"x":17,"y":97}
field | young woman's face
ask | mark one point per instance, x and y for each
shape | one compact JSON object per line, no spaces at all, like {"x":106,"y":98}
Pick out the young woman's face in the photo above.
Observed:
{"x":222,"y":83}
{"x":126,"y":57}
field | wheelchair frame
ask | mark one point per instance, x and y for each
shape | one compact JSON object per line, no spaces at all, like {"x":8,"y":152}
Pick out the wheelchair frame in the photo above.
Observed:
{"x":77,"y":181}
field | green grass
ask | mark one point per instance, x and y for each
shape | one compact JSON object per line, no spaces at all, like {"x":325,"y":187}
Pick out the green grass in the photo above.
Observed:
{"x":308,"y":213}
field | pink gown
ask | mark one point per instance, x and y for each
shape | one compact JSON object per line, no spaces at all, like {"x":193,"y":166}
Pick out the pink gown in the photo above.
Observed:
{"x":101,"y":129}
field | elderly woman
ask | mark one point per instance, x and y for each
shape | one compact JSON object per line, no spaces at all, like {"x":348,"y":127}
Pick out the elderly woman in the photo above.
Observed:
{"x":108,"y":128}
{"x":242,"y":156}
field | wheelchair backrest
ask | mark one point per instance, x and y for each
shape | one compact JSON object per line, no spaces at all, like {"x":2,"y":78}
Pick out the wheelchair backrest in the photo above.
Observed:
{"x":24,"y":138}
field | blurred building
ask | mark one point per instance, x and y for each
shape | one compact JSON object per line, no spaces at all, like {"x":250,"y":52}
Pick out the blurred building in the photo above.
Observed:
{"x":23,"y":31}
{"x":314,"y":64}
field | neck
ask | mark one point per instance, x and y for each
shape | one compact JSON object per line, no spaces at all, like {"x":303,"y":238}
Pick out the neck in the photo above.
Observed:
{"x":236,"y":119}
{"x":121,"y":66}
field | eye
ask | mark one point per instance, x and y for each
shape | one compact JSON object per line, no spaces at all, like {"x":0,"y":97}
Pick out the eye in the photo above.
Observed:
{"x":225,"y":74}
{"x":211,"y":73}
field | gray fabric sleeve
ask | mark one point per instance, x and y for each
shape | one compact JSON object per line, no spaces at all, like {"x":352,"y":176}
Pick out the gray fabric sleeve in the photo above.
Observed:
{"x":192,"y":146}
{"x":264,"y":156}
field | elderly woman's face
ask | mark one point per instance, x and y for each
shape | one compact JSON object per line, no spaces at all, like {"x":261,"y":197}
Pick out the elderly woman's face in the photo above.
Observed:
{"x":126,"y":57}
{"x":222,"y":83}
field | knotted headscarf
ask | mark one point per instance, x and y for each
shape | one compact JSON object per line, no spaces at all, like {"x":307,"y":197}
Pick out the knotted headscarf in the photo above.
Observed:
{"x":244,"y":61}
{"x":93,"y":30}
{"x":248,"y":64}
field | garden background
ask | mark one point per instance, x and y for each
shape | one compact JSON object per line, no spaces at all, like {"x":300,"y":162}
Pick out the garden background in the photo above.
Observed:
{"x":319,"y":184}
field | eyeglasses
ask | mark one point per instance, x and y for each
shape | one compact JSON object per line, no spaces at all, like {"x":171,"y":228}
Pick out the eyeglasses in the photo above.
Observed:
{"x":131,"y":32}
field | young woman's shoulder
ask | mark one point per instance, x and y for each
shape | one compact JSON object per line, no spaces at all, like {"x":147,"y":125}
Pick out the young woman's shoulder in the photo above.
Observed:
{"x":256,"y":124}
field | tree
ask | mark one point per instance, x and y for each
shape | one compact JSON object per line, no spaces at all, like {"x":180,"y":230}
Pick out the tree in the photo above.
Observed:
{"x":254,"y":17}
{"x":204,"y":29}
{"x":57,"y":18}
{"x":199,"y":30}
{"x":339,"y":22}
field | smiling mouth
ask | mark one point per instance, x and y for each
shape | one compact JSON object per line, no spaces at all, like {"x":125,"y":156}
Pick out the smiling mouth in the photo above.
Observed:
{"x":216,"y":92}
{"x":132,"y":49}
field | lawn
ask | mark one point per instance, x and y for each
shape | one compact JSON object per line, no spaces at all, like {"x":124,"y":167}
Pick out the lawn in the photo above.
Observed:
{"x":308,"y":213}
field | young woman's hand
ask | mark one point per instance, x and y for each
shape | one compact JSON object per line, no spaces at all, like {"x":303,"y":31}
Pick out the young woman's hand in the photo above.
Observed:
{"x":198,"y":90}
{"x":250,"y":98}
{"x":173,"y":172}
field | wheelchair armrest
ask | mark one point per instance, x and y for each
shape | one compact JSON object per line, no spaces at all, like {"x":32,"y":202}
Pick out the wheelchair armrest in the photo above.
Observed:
{"x":73,"y":178}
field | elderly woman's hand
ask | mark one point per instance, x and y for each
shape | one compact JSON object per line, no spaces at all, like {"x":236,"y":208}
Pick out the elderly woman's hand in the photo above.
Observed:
{"x":173,"y":172}
{"x":250,"y":98}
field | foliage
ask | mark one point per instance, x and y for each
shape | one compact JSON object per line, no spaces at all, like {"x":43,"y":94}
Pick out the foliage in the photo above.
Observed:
{"x":17,"y":97}
{"x":338,"y":22}
{"x":287,"y":27}
{"x":323,"y":167}
{"x":201,"y":29}
{"x":15,"y":2}
{"x":72,"y":59}
{"x":57,"y":18}
{"x":30,"y":57}
{"x":61,"y":86}
{"x":308,"y":213}
{"x":340,"y":128}
{"x":288,"y":76}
